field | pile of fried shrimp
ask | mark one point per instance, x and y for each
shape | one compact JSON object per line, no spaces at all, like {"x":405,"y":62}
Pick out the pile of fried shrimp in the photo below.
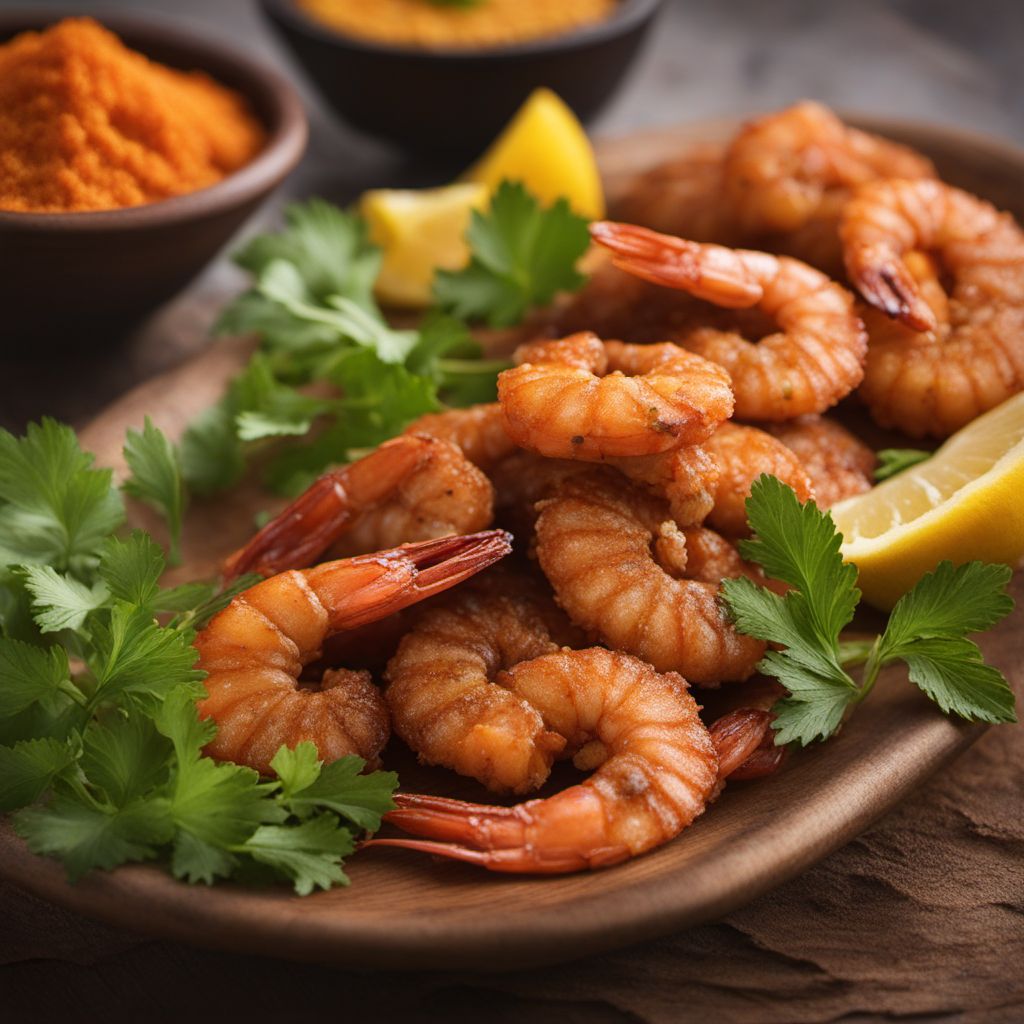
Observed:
{"x":618,"y":459}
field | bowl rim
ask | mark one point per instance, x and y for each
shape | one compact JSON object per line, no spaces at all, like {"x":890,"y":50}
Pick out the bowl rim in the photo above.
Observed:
{"x":285,"y":123}
{"x":630,"y":15}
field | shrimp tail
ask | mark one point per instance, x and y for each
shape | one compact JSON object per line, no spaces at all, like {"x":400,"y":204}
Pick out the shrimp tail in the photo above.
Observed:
{"x":325,"y":510}
{"x":887,"y":285}
{"x":492,"y":837}
{"x":706,"y":271}
{"x":445,"y":561}
{"x":383,"y":583}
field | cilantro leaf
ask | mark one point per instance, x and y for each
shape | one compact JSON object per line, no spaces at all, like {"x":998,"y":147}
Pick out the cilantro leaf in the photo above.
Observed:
{"x":309,"y":853}
{"x":28,"y":768}
{"x":29,"y":674}
{"x":949,"y":602}
{"x":308,"y":785}
{"x":329,"y":249}
{"x":86,"y":836}
{"x":156,"y":478}
{"x":215,"y":807}
{"x":800,"y":545}
{"x":132,"y":568}
{"x":125,"y":757}
{"x":55,"y":509}
{"x":212,"y":456}
{"x":132,"y":654}
{"x":952,"y":671}
{"x":521,"y":255}
{"x":296,"y":768}
{"x":58,"y":601}
{"x":895,"y":460}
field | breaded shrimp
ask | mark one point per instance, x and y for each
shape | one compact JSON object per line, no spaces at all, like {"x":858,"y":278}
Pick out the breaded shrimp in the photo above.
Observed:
{"x":814,"y":360}
{"x":743,"y":454}
{"x":254,"y":650}
{"x":411,"y":488}
{"x":787,"y":175}
{"x":612,"y":555}
{"x":838,"y":463}
{"x":656,"y":769}
{"x":446,"y":690}
{"x":951,"y":352}
{"x":579,"y":398}
{"x":479,"y":430}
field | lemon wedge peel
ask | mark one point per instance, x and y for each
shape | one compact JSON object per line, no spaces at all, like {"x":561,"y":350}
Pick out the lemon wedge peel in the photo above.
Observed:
{"x":419,"y":231}
{"x":545,"y":148}
{"x":965,"y":502}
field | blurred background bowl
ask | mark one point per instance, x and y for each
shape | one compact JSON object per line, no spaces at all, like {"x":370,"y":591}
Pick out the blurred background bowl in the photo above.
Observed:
{"x":452,"y":102}
{"x":68,"y":276}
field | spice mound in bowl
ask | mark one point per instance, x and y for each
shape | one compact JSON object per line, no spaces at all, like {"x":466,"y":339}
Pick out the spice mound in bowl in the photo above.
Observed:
{"x":88,"y":124}
{"x":469,"y":23}
{"x":130,"y":153}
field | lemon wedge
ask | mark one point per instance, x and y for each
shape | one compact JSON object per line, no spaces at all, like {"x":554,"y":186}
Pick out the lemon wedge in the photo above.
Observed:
{"x":545,"y":147}
{"x":965,"y":502}
{"x":419,"y":231}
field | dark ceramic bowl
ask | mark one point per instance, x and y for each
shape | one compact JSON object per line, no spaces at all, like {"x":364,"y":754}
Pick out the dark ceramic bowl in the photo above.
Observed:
{"x":85,"y":278}
{"x":453,"y":102}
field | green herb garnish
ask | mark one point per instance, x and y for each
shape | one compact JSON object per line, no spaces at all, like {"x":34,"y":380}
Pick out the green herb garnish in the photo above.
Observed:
{"x":927,"y":630}
{"x":522,"y":255}
{"x":97,"y":690}
{"x":895,"y":460}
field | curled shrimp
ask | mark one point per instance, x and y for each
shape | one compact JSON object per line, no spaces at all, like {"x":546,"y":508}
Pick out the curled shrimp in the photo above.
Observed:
{"x":810,"y":364}
{"x":580,"y":399}
{"x":742,"y":455}
{"x":614,"y":558}
{"x":683,"y":196}
{"x":448,"y":696}
{"x":410,"y":488}
{"x":253,"y":651}
{"x":655,"y":763}
{"x":950,"y":353}
{"x":838,"y":463}
{"x":478,"y":430}
{"x":786,"y":169}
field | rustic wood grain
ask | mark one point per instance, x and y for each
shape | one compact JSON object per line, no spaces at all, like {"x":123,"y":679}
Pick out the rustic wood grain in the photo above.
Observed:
{"x":406,"y":911}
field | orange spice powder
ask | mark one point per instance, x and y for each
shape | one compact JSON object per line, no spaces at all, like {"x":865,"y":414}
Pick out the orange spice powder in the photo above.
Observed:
{"x":87,"y":124}
{"x":485,"y":23}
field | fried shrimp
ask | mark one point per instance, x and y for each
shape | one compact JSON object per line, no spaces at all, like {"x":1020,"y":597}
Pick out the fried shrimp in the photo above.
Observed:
{"x":814,"y":360}
{"x":580,"y":399}
{"x":614,"y":557}
{"x":411,"y":488}
{"x":785,"y":170}
{"x":253,"y":651}
{"x":656,"y":769}
{"x":954,"y":352}
{"x":683,"y":196}
{"x":479,"y":430}
{"x":446,"y":690}
{"x":839,"y":464}
{"x":688,"y":478}
{"x":742,"y":455}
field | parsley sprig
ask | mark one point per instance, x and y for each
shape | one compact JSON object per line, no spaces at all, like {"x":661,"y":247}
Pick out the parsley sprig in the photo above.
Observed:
{"x":100,"y":739}
{"x":312,"y":307}
{"x":927,"y":631}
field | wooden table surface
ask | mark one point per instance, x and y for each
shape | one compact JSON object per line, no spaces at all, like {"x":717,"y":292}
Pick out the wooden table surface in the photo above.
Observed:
{"x":922,"y":916}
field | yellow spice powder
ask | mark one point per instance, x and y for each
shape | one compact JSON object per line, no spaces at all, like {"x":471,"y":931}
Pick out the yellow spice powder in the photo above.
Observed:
{"x":484,"y":24}
{"x":87,"y":124}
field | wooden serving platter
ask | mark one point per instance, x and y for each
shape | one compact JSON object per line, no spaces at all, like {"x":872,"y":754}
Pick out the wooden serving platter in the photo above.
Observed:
{"x":407,"y":911}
